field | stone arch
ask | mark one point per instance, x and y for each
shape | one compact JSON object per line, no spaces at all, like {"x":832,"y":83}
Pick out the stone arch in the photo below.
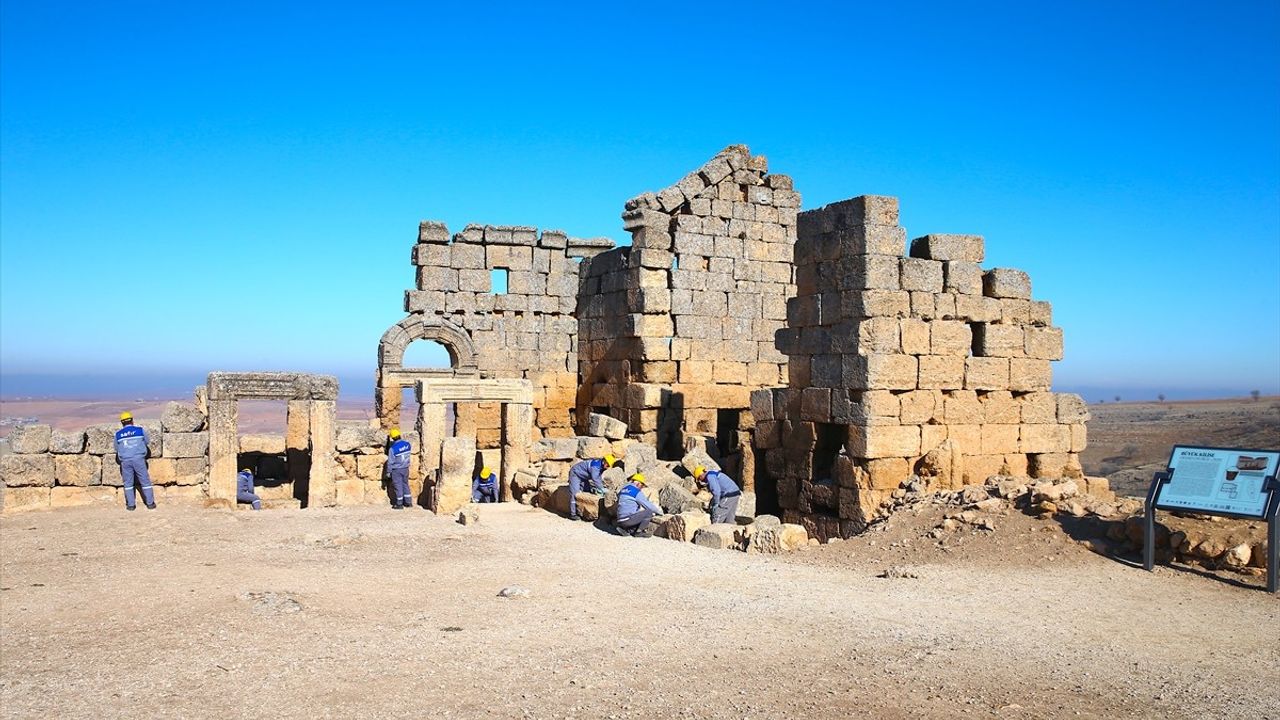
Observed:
{"x":456,"y":341}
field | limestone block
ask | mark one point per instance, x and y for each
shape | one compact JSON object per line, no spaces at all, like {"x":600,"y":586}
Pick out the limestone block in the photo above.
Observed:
{"x":186,"y":444}
{"x":967,"y":248}
{"x":431,"y":231}
{"x":774,"y":539}
{"x":873,"y":335}
{"x":886,"y":473}
{"x":762,"y":404}
{"x":1071,"y":408}
{"x":1044,"y":343}
{"x":562,"y":448}
{"x":444,"y":279}
{"x":417,"y":301}
{"x":1044,"y":439}
{"x":746,"y":510}
{"x":355,"y":436}
{"x":457,"y":462}
{"x":999,"y":439}
{"x":1054,"y":465}
{"x":962,"y":278}
{"x":60,"y":497}
{"x":605,"y":426}
{"x":1040,"y":313}
{"x":875,"y":303}
{"x":977,"y":308}
{"x":181,"y":417}
{"x":200,"y":398}
{"x":986,"y":373}
{"x":178,"y":471}
{"x":1006,"y":283}
{"x":730,"y":372}
{"x":297,"y":433}
{"x":265,"y":443}
{"x":592,"y":447}
{"x":995,"y":340}
{"x":921,"y":275}
{"x":370,"y":467}
{"x":350,"y":491}
{"x":26,"y":470}
{"x":1038,"y":408}
{"x":869,"y":239}
{"x":1027,"y":374}
{"x":684,"y":526}
{"x":882,"y":441}
{"x":23,"y":499}
{"x":919,"y":407}
{"x":943,"y":372}
{"x":879,"y":371}
{"x":675,"y":499}
{"x":1015,"y":311}
{"x":950,"y":337}
{"x":815,"y":404}
{"x":64,"y":442}
{"x":720,"y":536}
{"x":79,"y":470}
{"x":1079,"y":438}
{"x":977,"y":468}
{"x":914,"y":336}
{"x":999,"y":407}
{"x":962,"y":408}
{"x":30,"y":439}
{"x":111,"y":471}
{"x":922,"y":304}
{"x":867,"y":272}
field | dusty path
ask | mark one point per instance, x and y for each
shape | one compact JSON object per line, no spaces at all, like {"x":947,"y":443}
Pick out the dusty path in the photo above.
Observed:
{"x":107,"y":614}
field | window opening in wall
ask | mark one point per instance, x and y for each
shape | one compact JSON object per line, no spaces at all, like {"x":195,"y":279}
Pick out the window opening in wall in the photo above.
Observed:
{"x":498,"y":281}
{"x":426,"y":354}
{"x":830,"y":443}
{"x":675,"y":262}
{"x":727,"y":423}
{"x":281,"y":474}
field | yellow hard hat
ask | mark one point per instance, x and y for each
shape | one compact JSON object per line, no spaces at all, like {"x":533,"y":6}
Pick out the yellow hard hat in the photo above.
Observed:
{"x":126,"y":415}
{"x":638,"y":478}
{"x":699,"y":471}
{"x":395,"y":432}
{"x":610,"y":460}
{"x":485,"y":472}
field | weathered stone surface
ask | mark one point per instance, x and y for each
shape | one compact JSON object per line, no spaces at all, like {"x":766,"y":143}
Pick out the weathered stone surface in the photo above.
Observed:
{"x":60,"y":497}
{"x":355,"y":436}
{"x":101,"y":439}
{"x":1006,"y":283}
{"x":593,"y":447}
{"x":26,"y":470}
{"x":774,"y":539}
{"x":267,"y":444}
{"x":65,"y":442}
{"x":350,"y":491}
{"x":81,"y":470}
{"x":683,"y":526}
{"x":22,"y":499}
{"x":746,"y":511}
{"x":720,"y":536}
{"x":468,"y":516}
{"x":30,"y":439}
{"x":605,"y":426}
{"x":110,"y":471}
{"x":187,"y":444}
{"x":457,"y":461}
{"x":180,"y":417}
{"x":675,"y":499}
{"x":272,"y":386}
{"x":968,"y":248}
{"x":178,"y":471}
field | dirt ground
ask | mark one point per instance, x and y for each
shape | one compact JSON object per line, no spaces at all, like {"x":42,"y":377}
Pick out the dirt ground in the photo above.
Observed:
{"x":368,"y":612}
{"x":1128,"y":442}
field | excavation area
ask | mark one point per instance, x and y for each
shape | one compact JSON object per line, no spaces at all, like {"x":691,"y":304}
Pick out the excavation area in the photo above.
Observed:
{"x":366,"y":612}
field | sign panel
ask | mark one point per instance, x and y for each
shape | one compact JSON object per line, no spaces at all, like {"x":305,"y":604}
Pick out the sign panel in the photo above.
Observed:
{"x":1219,"y":480}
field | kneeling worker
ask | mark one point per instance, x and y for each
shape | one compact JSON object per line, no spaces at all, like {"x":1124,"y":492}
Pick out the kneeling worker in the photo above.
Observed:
{"x":484,"y":488}
{"x":634,"y":509}
{"x":587,"y":472}
{"x":244,"y":489}
{"x":724,"y":494}
{"x":398,"y":457}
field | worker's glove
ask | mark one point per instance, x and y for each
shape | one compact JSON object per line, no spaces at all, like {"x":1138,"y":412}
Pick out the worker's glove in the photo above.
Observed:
{"x":598,"y":491}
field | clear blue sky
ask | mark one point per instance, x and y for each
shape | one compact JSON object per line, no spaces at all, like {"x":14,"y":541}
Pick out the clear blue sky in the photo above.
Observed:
{"x":238,"y":185}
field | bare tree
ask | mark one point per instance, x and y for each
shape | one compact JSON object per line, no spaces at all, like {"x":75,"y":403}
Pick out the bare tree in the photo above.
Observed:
{"x":1255,"y":395}
{"x":1117,"y":398}
{"x":1160,"y":397}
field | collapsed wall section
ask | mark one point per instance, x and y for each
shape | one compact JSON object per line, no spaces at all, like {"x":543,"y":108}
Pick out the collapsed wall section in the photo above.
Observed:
{"x":501,"y":299}
{"x":917,"y":363}
{"x":676,"y":330}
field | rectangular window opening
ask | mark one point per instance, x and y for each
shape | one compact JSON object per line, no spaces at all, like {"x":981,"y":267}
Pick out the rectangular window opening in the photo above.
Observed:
{"x":498,"y":281}
{"x":830,"y":444}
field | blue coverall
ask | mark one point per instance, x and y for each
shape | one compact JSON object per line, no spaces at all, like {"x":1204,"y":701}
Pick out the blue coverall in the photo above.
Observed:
{"x":724,"y":496}
{"x":587,"y":471}
{"x":485,"y":489}
{"x":244,"y":490}
{"x":398,"y":456}
{"x":635,"y":510}
{"x":131,"y":451}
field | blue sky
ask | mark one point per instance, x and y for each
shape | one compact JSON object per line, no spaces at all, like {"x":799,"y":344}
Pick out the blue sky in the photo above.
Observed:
{"x":238,"y":185}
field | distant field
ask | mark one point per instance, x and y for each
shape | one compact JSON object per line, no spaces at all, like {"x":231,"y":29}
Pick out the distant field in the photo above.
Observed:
{"x":255,"y":415}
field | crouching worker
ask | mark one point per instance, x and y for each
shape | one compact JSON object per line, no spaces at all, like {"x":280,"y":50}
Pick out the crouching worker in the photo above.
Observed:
{"x":587,"y":472}
{"x":398,"y":457}
{"x":484,"y":488}
{"x":724,"y":494}
{"x":634,"y":509}
{"x":244,"y":489}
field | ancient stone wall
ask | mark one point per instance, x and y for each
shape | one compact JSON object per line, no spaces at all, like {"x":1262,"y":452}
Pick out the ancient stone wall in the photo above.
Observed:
{"x":676,"y":330}
{"x":923,"y":363}
{"x":527,"y":332}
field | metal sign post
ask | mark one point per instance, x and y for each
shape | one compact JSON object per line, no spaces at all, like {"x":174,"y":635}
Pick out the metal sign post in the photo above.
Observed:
{"x":1273,"y":536}
{"x":1149,"y":518}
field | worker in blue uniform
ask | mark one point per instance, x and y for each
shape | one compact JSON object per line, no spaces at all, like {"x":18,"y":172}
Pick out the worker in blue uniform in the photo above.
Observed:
{"x":587,"y":472}
{"x":634,"y":509}
{"x":724,"y":494}
{"x":244,"y":489}
{"x":398,"y":456}
{"x":484,"y":488}
{"x":131,"y":453}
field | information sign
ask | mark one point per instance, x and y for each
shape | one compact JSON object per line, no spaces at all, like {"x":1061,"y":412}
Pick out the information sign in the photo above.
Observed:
{"x":1217,"y":480}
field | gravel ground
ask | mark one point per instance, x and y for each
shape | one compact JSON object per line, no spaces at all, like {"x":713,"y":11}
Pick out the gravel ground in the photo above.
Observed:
{"x":366,"y":612}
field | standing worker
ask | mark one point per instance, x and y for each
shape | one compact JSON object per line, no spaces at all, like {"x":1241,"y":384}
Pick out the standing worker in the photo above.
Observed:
{"x":634,"y":509}
{"x":724,"y":494}
{"x":484,"y":488}
{"x":587,"y":472}
{"x":131,"y":453}
{"x":244,"y":489}
{"x":398,"y":457}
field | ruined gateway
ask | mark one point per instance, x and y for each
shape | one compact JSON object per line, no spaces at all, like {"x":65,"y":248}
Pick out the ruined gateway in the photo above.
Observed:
{"x":818,"y":356}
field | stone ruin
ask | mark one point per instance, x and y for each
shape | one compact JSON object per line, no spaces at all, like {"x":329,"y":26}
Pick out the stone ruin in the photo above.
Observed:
{"x":817,"y":356}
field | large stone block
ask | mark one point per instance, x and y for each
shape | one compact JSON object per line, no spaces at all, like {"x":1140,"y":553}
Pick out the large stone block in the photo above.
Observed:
{"x":1026,"y":374}
{"x":1071,"y":409}
{"x":81,"y":470}
{"x":967,"y":248}
{"x":685,"y":525}
{"x":26,"y":470}
{"x":921,"y":275}
{"x":950,"y":337}
{"x":774,"y":539}
{"x":882,"y":441}
{"x":721,"y":536}
{"x":605,"y":426}
{"x":986,"y":373}
{"x":66,"y":442}
{"x":962,"y":278}
{"x":22,"y":499}
{"x":1044,"y":343}
{"x":879,"y":371}
{"x":994,"y":340}
{"x":1006,"y":283}
{"x":30,"y":439}
{"x":265,"y":443}
{"x":355,"y":436}
{"x":999,"y":439}
{"x":457,"y":463}
{"x":186,"y":444}
{"x":1045,"y":439}
{"x":178,"y":471}
{"x":111,"y":471}
{"x":942,"y":372}
{"x":180,"y":417}
{"x":60,"y":497}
